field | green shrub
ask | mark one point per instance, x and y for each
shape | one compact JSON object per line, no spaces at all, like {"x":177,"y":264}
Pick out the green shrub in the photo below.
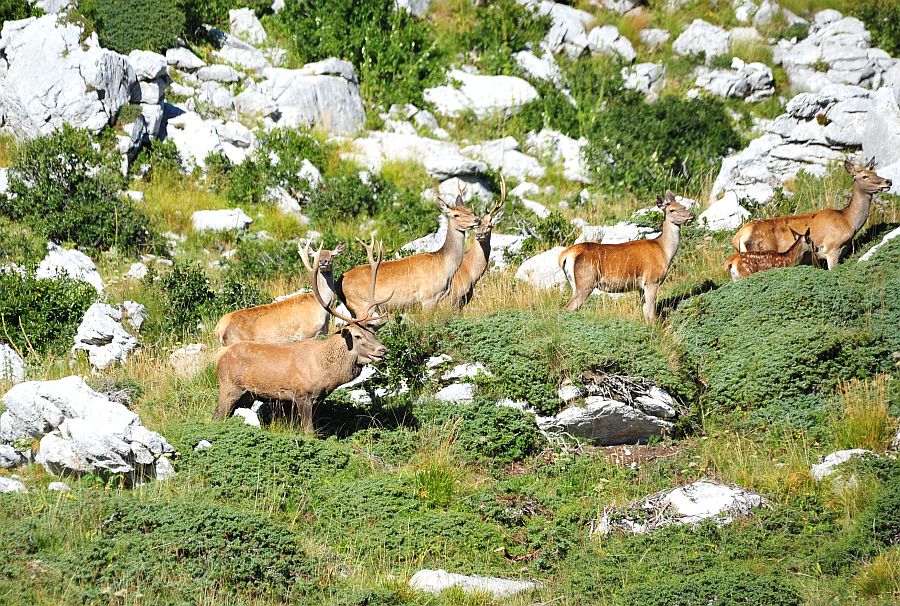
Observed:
{"x":127,"y":25}
{"x":67,"y":190}
{"x":734,"y":586}
{"x":882,"y":19}
{"x":544,"y":234}
{"x":265,"y":260}
{"x":40,"y":316}
{"x":495,"y":435}
{"x":501,"y":28}
{"x":393,"y":52}
{"x":409,"y":346}
{"x":215,"y":12}
{"x":11,"y":10}
{"x":19,"y":244}
{"x":161,"y":160}
{"x":162,"y":543}
{"x":530,"y":354}
{"x":646,"y":148}
{"x":798,"y":30}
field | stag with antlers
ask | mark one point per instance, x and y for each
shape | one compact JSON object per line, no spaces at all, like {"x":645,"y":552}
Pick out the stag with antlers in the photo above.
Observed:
{"x":306,"y":372}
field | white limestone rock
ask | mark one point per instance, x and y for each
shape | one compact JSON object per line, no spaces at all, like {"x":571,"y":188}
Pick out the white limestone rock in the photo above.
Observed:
{"x":482,"y":95}
{"x":828,"y":465}
{"x":606,"y":422}
{"x":136,"y":313}
{"x":188,"y":360}
{"x":52,"y":77}
{"x":466,"y":371}
{"x":147,"y":65}
{"x":456,"y":392}
{"x":473,"y":189}
{"x":606,"y":40}
{"x":646,"y":78}
{"x":416,"y":8}
{"x":194,"y":137}
{"x":248,"y":416}
{"x":72,"y":263}
{"x":444,"y":166}
{"x":103,"y":337}
{"x":725,"y":213}
{"x":654,"y":38}
{"x":58,"y":487}
{"x":224,"y":74}
{"x":881,"y":134}
{"x":231,"y":49}
{"x":12,"y":366}
{"x":568,"y":30}
{"x":244,"y":24}
{"x":377,"y":147}
{"x":702,"y":37}
{"x":752,"y":82}
{"x":220,"y":220}
{"x":183,"y":59}
{"x":506,"y":156}
{"x":254,"y":104}
{"x":438,"y":581}
{"x":8,"y":485}
{"x":544,"y":67}
{"x":623,"y":231}
{"x":542,"y":270}
{"x":558,"y":148}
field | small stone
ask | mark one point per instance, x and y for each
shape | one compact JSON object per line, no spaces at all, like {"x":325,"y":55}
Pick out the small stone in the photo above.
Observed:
{"x":10,"y":485}
{"x":58,"y":487}
{"x":249,"y":417}
{"x":456,"y":393}
{"x":437,"y":581}
{"x":164,"y":468}
{"x":203,"y":445}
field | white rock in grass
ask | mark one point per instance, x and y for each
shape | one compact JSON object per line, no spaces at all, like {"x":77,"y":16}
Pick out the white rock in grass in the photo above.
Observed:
{"x":606,"y":422}
{"x":102,"y":336}
{"x":72,"y":263}
{"x":456,"y":392}
{"x":505,"y":155}
{"x":202,"y":445}
{"x":482,"y":95}
{"x":558,"y":148}
{"x":654,"y":38}
{"x":881,"y":137}
{"x":437,"y":581}
{"x":224,"y":74}
{"x":568,"y":31}
{"x":725,"y":213}
{"x":646,"y":78}
{"x":701,"y":500}
{"x":607,"y":40}
{"x":445,"y":166}
{"x":466,"y":371}
{"x":416,"y":8}
{"x":194,"y":137}
{"x":10,"y":485}
{"x":248,"y":416}
{"x":58,"y":487}
{"x":869,"y":253}
{"x":542,"y":270}
{"x":188,"y":360}
{"x":163,"y":469}
{"x":10,"y":457}
{"x":828,"y":465}
{"x":12,"y":366}
{"x":137,"y":271}
{"x":184,"y":59}
{"x":544,"y":67}
{"x":220,"y":220}
{"x":135,"y":313}
{"x":702,"y":37}
{"x":244,"y":24}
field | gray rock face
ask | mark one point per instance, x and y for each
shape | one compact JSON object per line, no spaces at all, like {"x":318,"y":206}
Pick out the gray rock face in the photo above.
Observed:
{"x":147,"y":65}
{"x":10,"y":457}
{"x":607,"y":422}
{"x":560,"y":149}
{"x":606,"y":40}
{"x":55,"y":78}
{"x":244,"y":24}
{"x":184,"y":59}
{"x":220,"y":220}
{"x":72,"y":263}
{"x":188,"y":360}
{"x":623,"y":231}
{"x":323,"y":94}
{"x":702,"y":37}
{"x":505,"y":155}
{"x":103,"y":337}
{"x":453,"y":165}
{"x":12,"y":366}
{"x":194,"y":137}
{"x":482,"y":95}
{"x":568,"y":30}
{"x":224,"y":74}
{"x":378,"y":147}
{"x":80,"y":430}
{"x":456,"y":392}
{"x":236,"y":51}
{"x":881,"y":133}
{"x":749,"y":81}
{"x":646,"y":78}
{"x":437,"y":581}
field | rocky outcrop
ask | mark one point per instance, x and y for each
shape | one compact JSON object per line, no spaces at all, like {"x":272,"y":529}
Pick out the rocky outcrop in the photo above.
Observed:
{"x":438,"y":581}
{"x":52,"y":74}
{"x":880,"y":126}
{"x":505,"y":155}
{"x":542,"y":67}
{"x":103,"y":337}
{"x":80,"y":430}
{"x":654,"y":38}
{"x":724,"y":213}
{"x":702,"y":39}
{"x":484,"y":96}
{"x":752,"y":82}
{"x":646,"y":78}
{"x":72,"y":263}
{"x":558,"y":148}
{"x":244,"y":24}
{"x":568,"y":29}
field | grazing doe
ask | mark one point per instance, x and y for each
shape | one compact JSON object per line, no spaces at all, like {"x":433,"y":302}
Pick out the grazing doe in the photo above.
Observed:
{"x":291,"y":319}
{"x":306,"y":372}
{"x":831,"y":229}
{"x":422,"y":279}
{"x":475,"y":261}
{"x":743,"y":264}
{"x":641,"y":264}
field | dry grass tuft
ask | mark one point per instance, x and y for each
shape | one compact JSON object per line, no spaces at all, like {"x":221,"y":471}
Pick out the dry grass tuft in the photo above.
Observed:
{"x":881,"y":576}
{"x":864,"y":420}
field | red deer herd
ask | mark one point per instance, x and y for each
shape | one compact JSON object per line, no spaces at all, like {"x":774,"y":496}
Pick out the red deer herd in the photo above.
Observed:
{"x":272,"y":351}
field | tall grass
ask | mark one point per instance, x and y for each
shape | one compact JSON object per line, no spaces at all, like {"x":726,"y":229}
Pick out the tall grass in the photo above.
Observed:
{"x":864,"y":419}
{"x":881,"y":576}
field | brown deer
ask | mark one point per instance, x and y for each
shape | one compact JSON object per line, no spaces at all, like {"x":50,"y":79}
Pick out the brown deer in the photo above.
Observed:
{"x":422,"y":279}
{"x":831,"y":229}
{"x":641,"y":264}
{"x":743,"y":264}
{"x":306,"y":372}
{"x":475,"y":261}
{"x":291,"y":319}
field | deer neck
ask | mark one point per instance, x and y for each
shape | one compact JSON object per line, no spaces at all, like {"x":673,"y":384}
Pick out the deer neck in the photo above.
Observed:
{"x":453,"y":249}
{"x":326,"y":287}
{"x":669,"y":240}
{"x":481,"y":252}
{"x":795,"y":251}
{"x":857,"y":212}
{"x":343,"y":363}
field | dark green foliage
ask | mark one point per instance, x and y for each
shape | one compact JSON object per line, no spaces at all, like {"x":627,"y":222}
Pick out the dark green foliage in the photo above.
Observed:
{"x":501,"y":28}
{"x":882,"y":19}
{"x":645,"y":148}
{"x":40,"y":316}
{"x":11,"y":10}
{"x":213,"y":546}
{"x":215,"y":12}
{"x":265,"y":259}
{"x":552,"y":110}
{"x":245,"y":463}
{"x":548,"y":232}
{"x":409,"y":346}
{"x":780,"y":340}
{"x":798,"y":30}
{"x":19,"y":244}
{"x":495,"y":435}
{"x":530,"y":354}
{"x":393,"y":52}
{"x":734,"y":586}
{"x":56,"y":191}
{"x":160,"y":160}
{"x":127,"y":25}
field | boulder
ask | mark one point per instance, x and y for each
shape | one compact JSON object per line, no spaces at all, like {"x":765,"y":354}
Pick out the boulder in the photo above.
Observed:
{"x":248,"y":416}
{"x":749,"y":81}
{"x":135,"y":313}
{"x":224,"y":74}
{"x":377,"y":147}
{"x":505,"y":155}
{"x":253,"y":104}
{"x":544,"y":67}
{"x":58,"y":487}
{"x":11,"y":485}
{"x":623,"y":231}
{"x":72,"y":263}
{"x":607,"y":422}
{"x":103,"y":337}
{"x":725,"y":213}
{"x":10,"y":457}
{"x":456,"y":392}
{"x":53,"y":77}
{"x":194,"y":137}
{"x":220,"y":220}
{"x":654,"y":38}
{"x":568,"y":29}
{"x":482,"y":95}
{"x":704,"y":38}
{"x":473,"y":188}
{"x":895,"y":233}
{"x":244,"y":24}
{"x":444,"y":166}
{"x":188,"y":360}
{"x":12,"y":366}
{"x":437,"y":581}
{"x":769,"y":11}
{"x":744,"y":10}
{"x":606,"y":40}
{"x":233,"y":50}
{"x":827,"y":466}
{"x":147,"y":65}
{"x":183,"y":59}
{"x":318,"y":95}
{"x":416,"y":8}
{"x":646,"y":78}
{"x":560,"y":149}
{"x":881,"y":134}
{"x":80,"y":430}
{"x":542,"y":270}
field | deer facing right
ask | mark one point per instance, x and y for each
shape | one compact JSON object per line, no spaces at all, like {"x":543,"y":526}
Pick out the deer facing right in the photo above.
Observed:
{"x":743,"y":264}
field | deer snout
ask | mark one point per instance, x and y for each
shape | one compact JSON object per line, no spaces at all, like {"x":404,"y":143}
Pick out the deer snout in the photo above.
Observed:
{"x":888,"y":183}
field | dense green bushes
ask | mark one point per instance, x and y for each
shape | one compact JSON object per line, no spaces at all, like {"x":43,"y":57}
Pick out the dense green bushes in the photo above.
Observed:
{"x":68,"y":191}
{"x":499,"y":29}
{"x":126,"y":25}
{"x":735,"y":586}
{"x":41,"y":316}
{"x":10,"y":10}
{"x":530,"y":354}
{"x":882,"y":19}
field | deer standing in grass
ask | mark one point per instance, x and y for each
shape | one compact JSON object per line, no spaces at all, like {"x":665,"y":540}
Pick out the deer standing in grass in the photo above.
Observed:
{"x":475,"y":260}
{"x":422,"y":279}
{"x":306,"y":372}
{"x":291,"y":319}
{"x":743,"y":264}
{"x":641,"y":264}
{"x":831,"y":229}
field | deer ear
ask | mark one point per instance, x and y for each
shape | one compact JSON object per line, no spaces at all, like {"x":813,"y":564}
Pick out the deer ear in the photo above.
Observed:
{"x":660,"y":202}
{"x":871,"y":164}
{"x":849,"y":167}
{"x":807,"y":233}
{"x":443,"y":206}
{"x":670,"y":197}
{"x":459,"y":201}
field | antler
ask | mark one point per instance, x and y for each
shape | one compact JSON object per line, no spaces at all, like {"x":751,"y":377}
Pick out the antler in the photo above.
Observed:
{"x":314,"y":280}
{"x":374,"y":263}
{"x":460,"y":190}
{"x":502,"y":201}
{"x":304,"y":256}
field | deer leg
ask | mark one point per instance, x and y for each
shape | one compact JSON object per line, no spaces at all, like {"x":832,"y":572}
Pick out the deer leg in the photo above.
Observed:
{"x":833,"y":256}
{"x":579,"y":296}
{"x":648,"y":296}
{"x":229,"y":395}
{"x":305,"y":407}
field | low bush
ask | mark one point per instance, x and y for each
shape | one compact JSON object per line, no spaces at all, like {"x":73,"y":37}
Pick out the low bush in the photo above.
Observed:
{"x":409,"y":346}
{"x":160,"y":160}
{"x":256,"y":259}
{"x":127,"y":25}
{"x":68,"y":191}
{"x":544,"y":234}
{"x":530,"y":354}
{"x":215,"y":12}
{"x":501,"y":28}
{"x":41,"y":316}
{"x":12,"y":10}
{"x":734,"y":586}
{"x":882,"y":19}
